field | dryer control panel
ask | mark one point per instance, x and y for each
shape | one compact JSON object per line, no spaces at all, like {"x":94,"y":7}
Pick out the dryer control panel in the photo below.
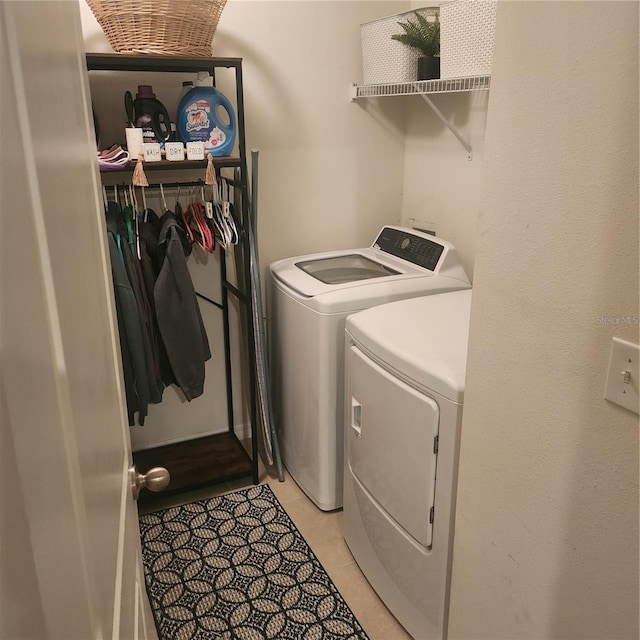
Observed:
{"x":408,"y":245}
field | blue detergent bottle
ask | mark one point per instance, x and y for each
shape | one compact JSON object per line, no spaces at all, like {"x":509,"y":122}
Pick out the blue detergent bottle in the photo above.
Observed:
{"x":206,"y":115}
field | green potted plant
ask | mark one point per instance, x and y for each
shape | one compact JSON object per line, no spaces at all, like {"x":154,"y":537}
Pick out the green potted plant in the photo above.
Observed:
{"x":424,"y":36}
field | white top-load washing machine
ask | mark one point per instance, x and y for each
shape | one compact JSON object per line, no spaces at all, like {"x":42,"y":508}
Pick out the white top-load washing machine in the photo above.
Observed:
{"x":405,"y":377}
{"x":310,"y":297}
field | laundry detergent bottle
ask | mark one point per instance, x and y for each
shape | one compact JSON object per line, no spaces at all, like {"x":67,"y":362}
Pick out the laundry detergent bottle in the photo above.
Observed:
{"x":150,"y":115}
{"x":206,"y":115}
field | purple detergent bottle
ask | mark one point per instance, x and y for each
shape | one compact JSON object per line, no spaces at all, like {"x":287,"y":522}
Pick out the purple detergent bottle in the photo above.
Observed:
{"x":150,"y":115}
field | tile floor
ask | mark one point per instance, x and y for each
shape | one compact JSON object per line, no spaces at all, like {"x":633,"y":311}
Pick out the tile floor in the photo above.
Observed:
{"x":321,"y":530}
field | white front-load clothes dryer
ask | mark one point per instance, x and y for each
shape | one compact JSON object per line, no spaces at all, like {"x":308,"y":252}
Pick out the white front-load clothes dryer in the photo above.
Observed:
{"x":405,"y":375}
{"x":310,"y":298}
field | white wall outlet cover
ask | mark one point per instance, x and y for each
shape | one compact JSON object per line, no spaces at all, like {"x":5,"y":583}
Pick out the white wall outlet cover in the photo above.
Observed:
{"x":624,"y":375}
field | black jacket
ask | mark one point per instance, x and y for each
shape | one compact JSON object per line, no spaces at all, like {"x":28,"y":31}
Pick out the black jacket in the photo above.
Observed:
{"x":136,"y":380}
{"x":177,"y":311}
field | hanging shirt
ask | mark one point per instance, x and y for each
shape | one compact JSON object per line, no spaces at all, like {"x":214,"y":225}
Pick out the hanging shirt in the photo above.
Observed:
{"x":136,"y":379}
{"x":147,"y":323}
{"x":151,"y":264}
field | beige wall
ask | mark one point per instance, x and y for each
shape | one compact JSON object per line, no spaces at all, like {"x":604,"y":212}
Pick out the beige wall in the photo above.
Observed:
{"x":547,"y":521}
{"x":547,"y":528}
{"x":441,"y":185}
{"x":331,"y":170}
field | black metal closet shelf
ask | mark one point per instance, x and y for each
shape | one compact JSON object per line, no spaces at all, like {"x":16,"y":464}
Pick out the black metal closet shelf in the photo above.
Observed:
{"x":222,"y":457}
{"x":172,"y":184}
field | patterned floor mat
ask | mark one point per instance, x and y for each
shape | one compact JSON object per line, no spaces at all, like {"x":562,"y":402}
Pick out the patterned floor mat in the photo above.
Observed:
{"x":235,"y":567}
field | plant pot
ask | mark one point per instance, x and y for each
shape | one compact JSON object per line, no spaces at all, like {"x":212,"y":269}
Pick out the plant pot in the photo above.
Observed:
{"x":428,"y":68}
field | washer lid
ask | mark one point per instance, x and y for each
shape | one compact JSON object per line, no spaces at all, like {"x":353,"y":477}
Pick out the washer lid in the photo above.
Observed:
{"x":396,"y":254}
{"x":321,"y":273}
{"x":341,"y":269}
{"x":425,"y":339}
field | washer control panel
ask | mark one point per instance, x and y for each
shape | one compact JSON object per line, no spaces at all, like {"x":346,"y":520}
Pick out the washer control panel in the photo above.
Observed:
{"x":409,"y":246}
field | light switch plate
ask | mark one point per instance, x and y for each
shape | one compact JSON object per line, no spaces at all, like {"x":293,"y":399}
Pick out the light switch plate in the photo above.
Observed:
{"x":622,"y":381}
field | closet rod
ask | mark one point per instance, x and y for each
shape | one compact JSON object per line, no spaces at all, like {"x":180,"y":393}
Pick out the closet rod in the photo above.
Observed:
{"x":165,"y":185}
{"x":169,"y":185}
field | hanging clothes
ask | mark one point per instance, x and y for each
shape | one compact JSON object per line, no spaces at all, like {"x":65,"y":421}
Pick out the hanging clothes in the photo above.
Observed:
{"x":162,"y":337}
{"x":151,"y":264}
{"x":136,"y":378}
{"x":147,"y":324}
{"x":177,"y":310}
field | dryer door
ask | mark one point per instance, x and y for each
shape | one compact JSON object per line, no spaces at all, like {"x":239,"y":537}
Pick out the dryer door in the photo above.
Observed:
{"x":391,"y":444}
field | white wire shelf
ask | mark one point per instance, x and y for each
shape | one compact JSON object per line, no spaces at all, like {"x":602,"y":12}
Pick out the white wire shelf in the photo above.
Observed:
{"x":448,"y":85}
{"x":425,"y":88}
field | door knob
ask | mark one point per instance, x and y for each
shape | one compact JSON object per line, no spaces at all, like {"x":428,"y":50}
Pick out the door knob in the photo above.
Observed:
{"x":156,"y":479}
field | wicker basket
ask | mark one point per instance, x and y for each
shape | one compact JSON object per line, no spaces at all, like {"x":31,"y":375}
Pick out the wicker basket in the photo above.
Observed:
{"x":169,"y":27}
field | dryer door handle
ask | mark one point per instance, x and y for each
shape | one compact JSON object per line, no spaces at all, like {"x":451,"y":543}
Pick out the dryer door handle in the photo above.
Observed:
{"x":356,"y":416}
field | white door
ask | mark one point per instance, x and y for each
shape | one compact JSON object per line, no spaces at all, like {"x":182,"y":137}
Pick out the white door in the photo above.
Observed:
{"x":391,"y":444}
{"x":69,"y":540}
